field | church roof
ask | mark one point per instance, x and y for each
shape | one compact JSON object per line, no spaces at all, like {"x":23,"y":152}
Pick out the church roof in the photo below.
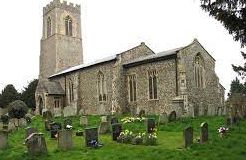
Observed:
{"x":53,"y":88}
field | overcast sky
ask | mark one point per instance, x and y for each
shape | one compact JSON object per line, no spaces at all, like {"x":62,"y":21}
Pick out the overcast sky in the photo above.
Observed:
{"x":110,"y":27}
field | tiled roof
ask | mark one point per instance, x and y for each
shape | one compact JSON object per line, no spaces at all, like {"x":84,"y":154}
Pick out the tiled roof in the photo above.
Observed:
{"x":53,"y":88}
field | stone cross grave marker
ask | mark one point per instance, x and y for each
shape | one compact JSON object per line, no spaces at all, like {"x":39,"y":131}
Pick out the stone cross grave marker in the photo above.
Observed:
{"x":150,"y":125}
{"x":3,"y":139}
{"x":163,"y":118}
{"x":188,"y":136}
{"x":65,"y":141}
{"x":114,"y":120}
{"x":103,"y":118}
{"x":91,"y":136}
{"x":204,"y":132}
{"x":104,"y":127}
{"x":54,"y":128}
{"x":30,"y":130}
{"x":83,"y":121}
{"x":36,"y":144}
{"x":67,"y":122}
{"x":116,"y":130}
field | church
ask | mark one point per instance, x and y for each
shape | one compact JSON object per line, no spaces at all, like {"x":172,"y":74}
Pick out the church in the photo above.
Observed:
{"x":181,"y":81}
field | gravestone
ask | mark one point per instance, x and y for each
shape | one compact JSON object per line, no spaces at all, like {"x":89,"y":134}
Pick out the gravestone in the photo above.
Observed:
{"x":163,"y":118}
{"x":30,"y":130}
{"x":36,"y":144}
{"x":22,"y":122}
{"x":79,"y":133}
{"x":65,"y":141}
{"x":204,"y":132}
{"x":104,"y":127}
{"x":83,"y":121}
{"x":54,"y":128}
{"x":3,"y":139}
{"x":47,"y":115}
{"x":150,"y":125}
{"x":67,"y":122}
{"x":172,"y":116}
{"x":28,"y":120}
{"x":116,"y":130}
{"x":188,"y":136}
{"x":91,"y":136}
{"x":114,"y":120}
{"x":47,"y":124}
{"x":103,"y":118}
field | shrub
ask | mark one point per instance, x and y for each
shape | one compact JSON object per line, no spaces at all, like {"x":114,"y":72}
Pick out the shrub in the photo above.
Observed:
{"x":150,"y":139}
{"x":138,"y":139}
{"x":5,"y":119}
{"x":125,"y":137}
{"x":17,"y":109}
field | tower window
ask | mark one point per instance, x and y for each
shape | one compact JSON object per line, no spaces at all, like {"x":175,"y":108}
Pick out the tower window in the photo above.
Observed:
{"x":68,"y":26}
{"x":152,"y":84}
{"x":71,"y":91}
{"x":48,"y":26}
{"x":199,"y":71}
{"x":101,"y":85}
{"x":132,"y":88}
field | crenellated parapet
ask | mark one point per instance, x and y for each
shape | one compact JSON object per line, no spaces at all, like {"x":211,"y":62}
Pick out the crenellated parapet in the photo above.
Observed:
{"x":75,"y":8}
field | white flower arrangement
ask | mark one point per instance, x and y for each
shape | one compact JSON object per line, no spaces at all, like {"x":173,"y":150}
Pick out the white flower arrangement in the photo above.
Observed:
{"x":222,"y":131}
{"x":132,"y":119}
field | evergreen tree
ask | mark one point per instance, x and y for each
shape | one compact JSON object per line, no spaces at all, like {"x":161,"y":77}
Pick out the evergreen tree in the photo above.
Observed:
{"x":9,"y":94}
{"x":28,"y":95}
{"x":237,"y":87}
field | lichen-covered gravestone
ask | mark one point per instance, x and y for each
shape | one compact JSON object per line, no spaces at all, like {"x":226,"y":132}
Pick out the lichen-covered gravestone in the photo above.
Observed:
{"x":103,"y":118}
{"x":91,"y":136}
{"x":204,"y":133}
{"x":83,"y":121}
{"x":163,"y":118}
{"x":188,"y":136}
{"x":116,"y":130}
{"x":104,"y":127}
{"x":30,"y":130}
{"x":3,"y":139}
{"x":36,"y":144}
{"x":54,"y":128}
{"x":150,"y":125}
{"x":65,"y":141}
{"x":67,"y":122}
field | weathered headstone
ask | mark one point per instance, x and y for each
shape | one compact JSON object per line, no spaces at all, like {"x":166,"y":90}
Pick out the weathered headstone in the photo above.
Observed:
{"x":79,"y":133}
{"x":47,"y":124}
{"x":188,"y":136}
{"x":65,"y":141}
{"x":83,"y":121}
{"x":172,"y":116}
{"x":103,"y":118}
{"x":163,"y":118}
{"x":141,"y":113}
{"x":47,"y":115}
{"x":22,"y":122}
{"x":36,"y":144}
{"x":30,"y":130}
{"x":150,"y":125}
{"x":28,"y":120}
{"x":3,"y":139}
{"x":104,"y":127}
{"x":67,"y":122}
{"x":116,"y":130}
{"x":91,"y":136}
{"x":204,"y":132}
{"x":54,"y":128}
{"x":114,"y":120}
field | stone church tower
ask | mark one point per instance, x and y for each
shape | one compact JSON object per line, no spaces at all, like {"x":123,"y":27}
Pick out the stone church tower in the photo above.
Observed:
{"x":61,"y":46}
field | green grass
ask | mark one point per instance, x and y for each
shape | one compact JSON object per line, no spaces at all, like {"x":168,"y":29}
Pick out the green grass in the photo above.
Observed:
{"x":170,"y":143}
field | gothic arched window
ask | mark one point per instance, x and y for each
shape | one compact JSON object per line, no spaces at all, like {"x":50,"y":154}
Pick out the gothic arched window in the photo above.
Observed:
{"x":68,"y":26}
{"x":132,"y":88}
{"x":152,"y":84}
{"x":71,"y":91}
{"x":199,"y":71}
{"x":48,"y":26}
{"x":101,"y":85}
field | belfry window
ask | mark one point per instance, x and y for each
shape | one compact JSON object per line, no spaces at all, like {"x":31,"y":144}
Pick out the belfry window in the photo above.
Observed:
{"x":101,"y":87}
{"x":132,"y":88}
{"x":199,"y":71}
{"x":48,"y":26}
{"x":68,"y":26}
{"x":152,"y":75}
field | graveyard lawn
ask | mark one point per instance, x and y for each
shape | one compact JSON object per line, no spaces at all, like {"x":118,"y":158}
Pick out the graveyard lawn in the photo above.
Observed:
{"x":170,"y":142}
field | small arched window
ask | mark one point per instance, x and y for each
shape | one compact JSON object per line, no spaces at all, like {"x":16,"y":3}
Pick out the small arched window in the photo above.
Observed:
{"x":71,"y":90}
{"x":48,"y":26}
{"x":101,"y":85}
{"x":68,"y":26}
{"x":199,"y":71}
